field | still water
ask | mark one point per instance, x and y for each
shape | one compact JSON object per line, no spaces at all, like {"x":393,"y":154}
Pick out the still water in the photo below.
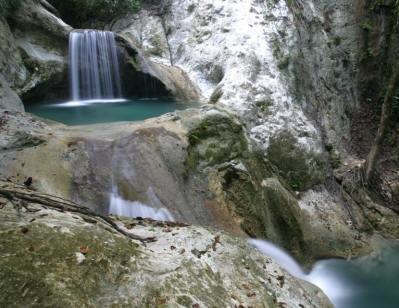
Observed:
{"x":104,"y":111}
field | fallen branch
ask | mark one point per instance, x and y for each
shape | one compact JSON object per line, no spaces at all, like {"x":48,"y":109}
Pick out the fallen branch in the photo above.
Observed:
{"x":14,"y":192}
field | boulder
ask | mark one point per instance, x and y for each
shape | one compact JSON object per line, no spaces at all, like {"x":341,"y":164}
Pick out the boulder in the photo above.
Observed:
{"x":9,"y":100}
{"x":57,"y":258}
{"x":40,"y":46}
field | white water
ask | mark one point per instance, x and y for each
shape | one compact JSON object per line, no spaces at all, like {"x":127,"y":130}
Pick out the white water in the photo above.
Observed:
{"x":93,"y":66}
{"x":321,"y":275}
{"x":121,"y":207}
{"x":90,"y":102}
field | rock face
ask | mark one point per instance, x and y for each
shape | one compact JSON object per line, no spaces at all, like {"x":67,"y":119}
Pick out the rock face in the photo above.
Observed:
{"x":34,"y":53}
{"x":289,"y":72}
{"x":196,"y":163}
{"x":265,"y":158}
{"x":58,"y":258}
{"x":9,"y":100}
{"x":12,"y":72}
{"x":162,"y":76}
{"x":227,"y":49}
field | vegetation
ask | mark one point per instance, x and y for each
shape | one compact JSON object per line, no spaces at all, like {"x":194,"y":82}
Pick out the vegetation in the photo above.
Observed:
{"x":386,"y":115}
{"x":78,"y":12}
{"x":390,"y":97}
{"x":7,"y":6}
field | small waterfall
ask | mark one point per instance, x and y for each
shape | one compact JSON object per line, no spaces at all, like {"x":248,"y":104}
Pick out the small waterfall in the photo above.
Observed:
{"x":280,"y":256}
{"x":120,"y":207}
{"x":321,"y":275}
{"x":94,"y":66}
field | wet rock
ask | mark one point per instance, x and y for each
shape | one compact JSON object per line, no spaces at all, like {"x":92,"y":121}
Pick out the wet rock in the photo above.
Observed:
{"x":301,"y":168}
{"x":9,"y":100}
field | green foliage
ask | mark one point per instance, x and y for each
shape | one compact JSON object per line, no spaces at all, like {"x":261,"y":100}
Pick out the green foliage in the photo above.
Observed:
{"x":7,"y":6}
{"x":77,"y":12}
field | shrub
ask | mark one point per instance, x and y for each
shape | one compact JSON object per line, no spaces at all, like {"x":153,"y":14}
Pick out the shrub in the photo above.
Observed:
{"x":78,"y":12}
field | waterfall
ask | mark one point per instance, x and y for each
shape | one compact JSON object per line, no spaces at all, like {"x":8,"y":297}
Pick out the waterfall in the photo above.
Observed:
{"x":94,"y":66}
{"x":280,"y":256}
{"x":120,"y":207}
{"x":321,"y":275}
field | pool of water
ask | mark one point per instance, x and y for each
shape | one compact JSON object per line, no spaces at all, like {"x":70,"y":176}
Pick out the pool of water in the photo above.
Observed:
{"x":367,"y":282}
{"x":95,"y":111}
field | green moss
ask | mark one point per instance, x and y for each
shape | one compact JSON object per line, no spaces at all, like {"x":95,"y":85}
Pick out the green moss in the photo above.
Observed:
{"x":41,"y":268}
{"x":367,"y":25}
{"x":283,"y":59}
{"x":184,"y":301}
{"x":283,"y":63}
{"x":299,"y":168}
{"x":214,"y":140}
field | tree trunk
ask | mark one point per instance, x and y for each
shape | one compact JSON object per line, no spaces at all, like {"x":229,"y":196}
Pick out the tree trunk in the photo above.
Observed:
{"x":375,"y":150}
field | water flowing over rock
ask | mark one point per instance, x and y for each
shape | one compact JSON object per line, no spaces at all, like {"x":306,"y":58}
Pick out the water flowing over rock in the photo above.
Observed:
{"x":94,"y":65}
{"x":280,"y":256}
{"x":120,"y":207}
{"x":320,"y":276}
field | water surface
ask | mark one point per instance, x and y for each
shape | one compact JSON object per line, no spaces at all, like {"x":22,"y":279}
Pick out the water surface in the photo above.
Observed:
{"x":105,"y":111}
{"x":367,"y":282}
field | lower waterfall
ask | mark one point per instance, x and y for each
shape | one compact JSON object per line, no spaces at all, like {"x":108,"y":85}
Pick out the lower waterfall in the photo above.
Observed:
{"x":321,"y":275}
{"x":121,"y":207}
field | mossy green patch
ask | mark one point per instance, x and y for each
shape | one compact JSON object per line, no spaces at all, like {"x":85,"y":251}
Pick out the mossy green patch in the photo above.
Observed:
{"x":41,"y":267}
{"x":300,"y":168}
{"x":215,"y":139}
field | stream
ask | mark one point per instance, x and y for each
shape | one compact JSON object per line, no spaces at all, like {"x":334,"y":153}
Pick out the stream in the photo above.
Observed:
{"x":366,"y":282}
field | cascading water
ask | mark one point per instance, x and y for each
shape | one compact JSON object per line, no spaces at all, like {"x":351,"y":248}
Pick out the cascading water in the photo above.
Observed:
{"x":319,"y":276}
{"x":95,"y":81}
{"x":121,"y":207}
{"x":94,"y":66}
{"x":366,"y":282}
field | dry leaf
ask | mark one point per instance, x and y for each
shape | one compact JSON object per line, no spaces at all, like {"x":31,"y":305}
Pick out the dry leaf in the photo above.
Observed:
{"x":84,"y":249}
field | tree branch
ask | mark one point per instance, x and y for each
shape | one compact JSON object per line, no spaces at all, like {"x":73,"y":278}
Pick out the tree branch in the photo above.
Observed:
{"x":14,"y":192}
{"x":375,"y":150}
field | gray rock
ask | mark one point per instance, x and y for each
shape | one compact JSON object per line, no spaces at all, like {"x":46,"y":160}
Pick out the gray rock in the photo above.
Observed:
{"x":64,"y":259}
{"x":9,"y":100}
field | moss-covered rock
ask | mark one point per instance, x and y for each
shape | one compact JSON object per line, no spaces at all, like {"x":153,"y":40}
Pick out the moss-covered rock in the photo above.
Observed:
{"x":267,"y":209}
{"x":244,"y":182}
{"x":301,"y":168}
{"x":214,"y":139}
{"x":54,"y":263}
{"x":57,"y":259}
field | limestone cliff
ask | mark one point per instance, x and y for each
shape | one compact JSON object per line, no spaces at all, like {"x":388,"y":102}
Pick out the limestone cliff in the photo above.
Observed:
{"x":275,"y":151}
